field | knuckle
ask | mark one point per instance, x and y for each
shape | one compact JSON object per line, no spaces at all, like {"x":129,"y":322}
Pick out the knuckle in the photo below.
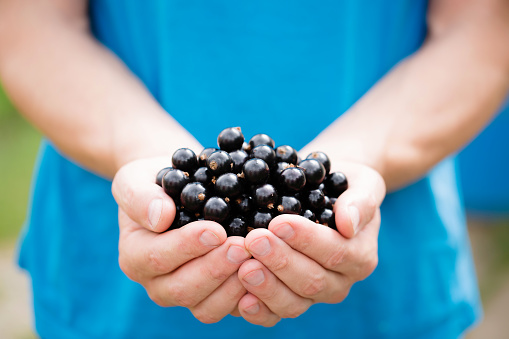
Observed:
{"x":315,"y":285}
{"x":126,"y":267}
{"x":308,"y":239}
{"x":181,"y":296}
{"x":155,"y":261}
{"x":215,"y":273}
{"x":281,"y":263}
{"x":339,"y":295}
{"x":370,"y":266}
{"x":204,"y":316}
{"x":158,"y":299}
{"x":338,"y":257}
{"x":295,"y":311}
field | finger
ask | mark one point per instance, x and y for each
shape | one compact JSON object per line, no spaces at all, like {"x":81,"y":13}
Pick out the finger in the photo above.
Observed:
{"x":280,"y":299}
{"x":137,"y":194}
{"x":358,"y":204}
{"x":356,"y":257}
{"x":236,"y":312}
{"x":221,"y":302}
{"x":294,"y":270}
{"x":191,"y":283}
{"x":254,"y":310}
{"x":144,"y":254}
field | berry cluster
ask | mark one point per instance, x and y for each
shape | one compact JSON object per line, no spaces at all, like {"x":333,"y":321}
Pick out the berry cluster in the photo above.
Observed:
{"x":244,"y":185}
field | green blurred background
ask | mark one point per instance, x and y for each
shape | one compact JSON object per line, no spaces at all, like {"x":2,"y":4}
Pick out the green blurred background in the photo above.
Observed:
{"x":18,"y":149}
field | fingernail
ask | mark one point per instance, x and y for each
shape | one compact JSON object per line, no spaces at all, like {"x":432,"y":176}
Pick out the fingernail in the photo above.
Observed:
{"x":237,"y":254}
{"x":254,"y":278}
{"x":253,"y":309}
{"x":208,"y":238}
{"x":284,"y":231}
{"x":155,"y":209}
{"x":354,"y":217}
{"x":260,"y":246}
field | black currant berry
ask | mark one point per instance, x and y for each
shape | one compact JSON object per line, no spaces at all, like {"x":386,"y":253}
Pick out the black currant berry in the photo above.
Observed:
{"x":160,"y":175}
{"x":202,"y":158}
{"x":194,"y":196}
{"x":332,"y":201}
{"x":266,"y":153}
{"x":314,"y":170}
{"x":174,"y":181}
{"x":244,"y":204}
{"x":237,"y":226}
{"x":315,"y":199}
{"x":261,"y":219}
{"x":326,"y":217}
{"x":336,"y":184}
{"x":203,"y":176}
{"x":230,"y":139}
{"x":280,"y":167}
{"x":216,"y":209}
{"x":184,"y":159}
{"x":310,"y":215}
{"x":287,"y":154}
{"x":256,"y":171}
{"x":239,"y":157}
{"x":328,"y":203}
{"x":289,"y":205}
{"x":322,"y":158}
{"x":265,"y":196}
{"x":182,"y":218}
{"x":219,"y":162}
{"x":261,"y":139}
{"x":292,"y":179}
{"x":228,"y":185}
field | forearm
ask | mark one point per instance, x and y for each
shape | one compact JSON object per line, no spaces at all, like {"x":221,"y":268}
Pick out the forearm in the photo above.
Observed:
{"x":80,"y":95}
{"x":429,"y":105}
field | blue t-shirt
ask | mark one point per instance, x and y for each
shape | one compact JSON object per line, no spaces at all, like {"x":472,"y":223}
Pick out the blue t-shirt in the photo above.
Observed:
{"x":285,"y":68}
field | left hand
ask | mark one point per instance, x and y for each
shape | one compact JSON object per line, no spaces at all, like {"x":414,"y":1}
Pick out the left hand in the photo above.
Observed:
{"x":298,"y":263}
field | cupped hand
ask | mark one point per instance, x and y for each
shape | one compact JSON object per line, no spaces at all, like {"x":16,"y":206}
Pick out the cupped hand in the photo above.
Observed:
{"x":194,"y":266}
{"x":298,"y":263}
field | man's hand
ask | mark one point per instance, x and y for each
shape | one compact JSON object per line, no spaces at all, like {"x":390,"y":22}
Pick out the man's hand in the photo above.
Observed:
{"x":298,"y":263}
{"x":194,"y":266}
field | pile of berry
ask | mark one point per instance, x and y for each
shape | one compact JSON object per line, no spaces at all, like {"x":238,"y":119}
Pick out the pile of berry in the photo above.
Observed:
{"x":244,"y":185}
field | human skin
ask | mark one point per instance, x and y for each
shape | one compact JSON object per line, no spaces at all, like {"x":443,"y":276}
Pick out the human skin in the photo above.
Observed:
{"x":97,"y":113}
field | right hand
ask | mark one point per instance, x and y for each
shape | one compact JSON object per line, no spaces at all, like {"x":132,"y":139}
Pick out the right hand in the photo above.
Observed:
{"x":194,"y":266}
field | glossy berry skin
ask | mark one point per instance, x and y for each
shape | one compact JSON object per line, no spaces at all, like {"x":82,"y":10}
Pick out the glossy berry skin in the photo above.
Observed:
{"x":194,"y":196}
{"x":328,"y":203}
{"x":287,"y":154}
{"x":230,"y":139}
{"x":261,"y":219}
{"x":314,"y":170}
{"x":265,"y":196}
{"x":216,"y":209}
{"x":315,"y":199}
{"x":280,"y":167}
{"x":228,"y":185}
{"x":289,"y":205}
{"x":261,"y":139}
{"x":266,"y":153}
{"x":326,"y":217}
{"x":182,"y":218}
{"x":219,"y":162}
{"x":332,"y":201}
{"x":237,"y":226}
{"x":202,"y":158}
{"x":292,"y":179}
{"x":336,"y":184}
{"x":310,"y":215}
{"x":239,"y":158}
{"x":256,"y":171}
{"x":185,"y":160}
{"x":203,"y":176}
{"x":160,"y":175}
{"x":174,"y":181}
{"x":244,"y":204}
{"x":322,"y":158}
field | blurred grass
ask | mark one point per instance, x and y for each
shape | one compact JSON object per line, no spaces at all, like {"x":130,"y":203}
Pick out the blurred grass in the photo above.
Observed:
{"x":19,"y":143}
